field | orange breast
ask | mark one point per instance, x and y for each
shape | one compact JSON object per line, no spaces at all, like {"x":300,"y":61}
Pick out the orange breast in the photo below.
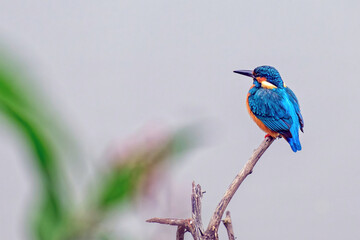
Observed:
{"x":258,"y":121}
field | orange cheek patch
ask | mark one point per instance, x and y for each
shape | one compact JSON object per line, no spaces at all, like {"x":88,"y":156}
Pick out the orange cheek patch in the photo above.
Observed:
{"x":260,"y":79}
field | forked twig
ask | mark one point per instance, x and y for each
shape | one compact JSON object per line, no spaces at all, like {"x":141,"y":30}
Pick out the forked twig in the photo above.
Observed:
{"x":193,"y":224}
{"x":180,"y":233}
{"x":228,"y":225}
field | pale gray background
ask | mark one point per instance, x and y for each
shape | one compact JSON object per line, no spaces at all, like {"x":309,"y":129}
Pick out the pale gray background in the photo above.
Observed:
{"x":110,"y":67}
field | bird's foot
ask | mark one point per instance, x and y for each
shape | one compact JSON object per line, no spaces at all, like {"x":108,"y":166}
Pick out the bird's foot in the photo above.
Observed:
{"x":267,"y":135}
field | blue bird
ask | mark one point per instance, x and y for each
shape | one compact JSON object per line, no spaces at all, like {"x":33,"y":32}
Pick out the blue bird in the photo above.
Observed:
{"x":273,"y":106}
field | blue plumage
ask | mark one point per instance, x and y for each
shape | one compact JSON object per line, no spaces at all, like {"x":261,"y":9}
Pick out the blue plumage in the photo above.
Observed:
{"x":273,"y":106}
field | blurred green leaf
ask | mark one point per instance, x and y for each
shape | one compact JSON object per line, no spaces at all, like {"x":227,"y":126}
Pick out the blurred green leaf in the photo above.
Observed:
{"x":52,"y":217}
{"x":49,"y":223}
{"x":123,"y":179}
{"x":184,"y":140}
{"x":18,"y":106}
{"x":18,"y":103}
{"x":36,"y":138}
{"x":119,"y":185}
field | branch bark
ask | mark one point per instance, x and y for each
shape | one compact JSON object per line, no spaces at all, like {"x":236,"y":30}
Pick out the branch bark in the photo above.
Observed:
{"x":228,"y":225}
{"x":245,"y":171}
{"x":196,"y":209}
{"x":169,"y":221}
{"x":180,"y":233}
{"x":194,"y":224}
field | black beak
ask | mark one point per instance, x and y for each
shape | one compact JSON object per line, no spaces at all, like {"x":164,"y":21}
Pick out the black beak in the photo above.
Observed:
{"x":248,"y":73}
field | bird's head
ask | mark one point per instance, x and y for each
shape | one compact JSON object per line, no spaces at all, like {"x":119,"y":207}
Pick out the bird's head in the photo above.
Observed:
{"x":264,"y":76}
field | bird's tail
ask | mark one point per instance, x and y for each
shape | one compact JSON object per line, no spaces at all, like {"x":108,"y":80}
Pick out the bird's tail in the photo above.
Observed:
{"x":294,"y":142}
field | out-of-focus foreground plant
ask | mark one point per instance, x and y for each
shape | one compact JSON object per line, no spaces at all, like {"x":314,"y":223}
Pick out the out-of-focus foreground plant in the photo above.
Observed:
{"x":55,"y":215}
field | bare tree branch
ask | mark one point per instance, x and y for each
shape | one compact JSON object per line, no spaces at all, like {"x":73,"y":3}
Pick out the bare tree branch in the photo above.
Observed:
{"x":194,"y":224}
{"x":169,"y":221}
{"x":228,"y":225}
{"x":180,"y":233}
{"x":196,"y":209}
{"x":247,"y":169}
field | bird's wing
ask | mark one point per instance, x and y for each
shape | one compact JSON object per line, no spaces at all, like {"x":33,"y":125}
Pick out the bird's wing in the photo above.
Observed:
{"x":271,"y":108}
{"x":295,"y":102}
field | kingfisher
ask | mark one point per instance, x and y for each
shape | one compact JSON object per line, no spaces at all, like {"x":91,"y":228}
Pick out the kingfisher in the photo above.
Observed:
{"x":273,"y":106}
